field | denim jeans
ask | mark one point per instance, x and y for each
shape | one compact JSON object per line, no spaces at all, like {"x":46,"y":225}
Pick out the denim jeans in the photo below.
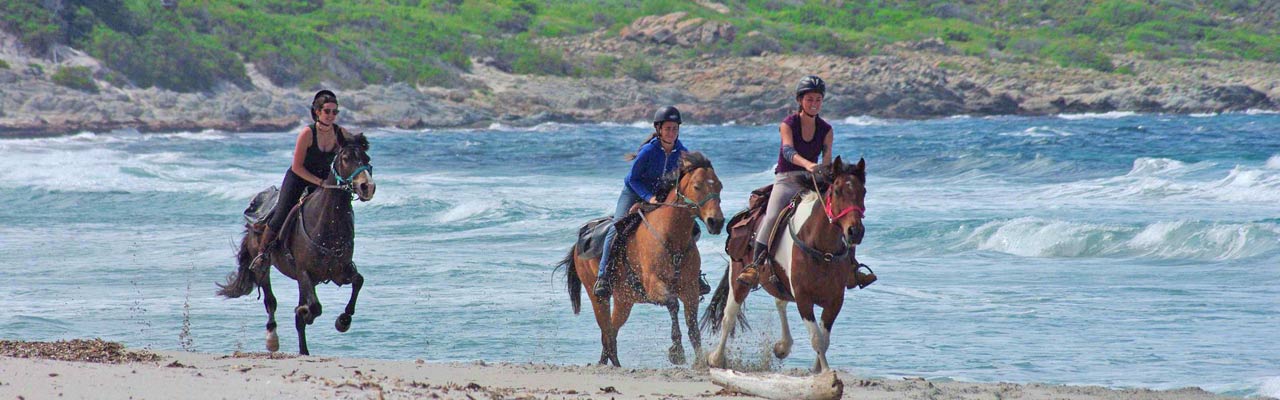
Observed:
{"x":625,"y":200}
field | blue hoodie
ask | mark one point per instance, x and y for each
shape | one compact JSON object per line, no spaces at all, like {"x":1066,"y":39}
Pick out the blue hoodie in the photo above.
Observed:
{"x":650,"y":165}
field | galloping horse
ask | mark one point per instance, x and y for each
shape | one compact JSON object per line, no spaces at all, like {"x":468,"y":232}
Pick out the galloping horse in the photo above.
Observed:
{"x":811,"y":265}
{"x":662,"y":265}
{"x":315,"y":246}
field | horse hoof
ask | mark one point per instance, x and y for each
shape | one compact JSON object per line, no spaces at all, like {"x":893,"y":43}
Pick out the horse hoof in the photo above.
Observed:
{"x":273,"y":341}
{"x":676,"y":356}
{"x":715,"y":359}
{"x":780,"y":351}
{"x":343,"y":323}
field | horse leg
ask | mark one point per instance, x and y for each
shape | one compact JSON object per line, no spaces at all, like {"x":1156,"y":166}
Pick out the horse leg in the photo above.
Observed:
{"x":691,"y":319}
{"x":621,"y":311}
{"x":601,"y":309}
{"x":818,"y":336}
{"x":269,"y":300}
{"x":782,"y":348}
{"x":675,"y":354}
{"x":305,"y":313}
{"x":828,"y":320}
{"x":728,"y":323}
{"x":344,"y":321}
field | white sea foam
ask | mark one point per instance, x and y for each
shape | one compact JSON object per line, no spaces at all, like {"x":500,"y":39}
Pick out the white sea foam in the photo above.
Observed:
{"x":1038,"y":237}
{"x":1105,"y":115}
{"x":1273,"y":162}
{"x":1270,"y":387}
{"x":863,"y":120}
{"x":1039,"y":131}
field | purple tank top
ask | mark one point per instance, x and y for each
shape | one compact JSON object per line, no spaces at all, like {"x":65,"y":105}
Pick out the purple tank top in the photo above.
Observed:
{"x":809,"y":150}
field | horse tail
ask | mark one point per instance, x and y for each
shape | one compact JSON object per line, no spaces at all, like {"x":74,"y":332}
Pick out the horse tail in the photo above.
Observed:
{"x":572,"y":282}
{"x":241,"y":281}
{"x":713,"y":317}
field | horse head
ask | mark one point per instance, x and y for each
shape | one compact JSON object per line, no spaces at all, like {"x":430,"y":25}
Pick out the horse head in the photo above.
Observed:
{"x":844,"y":200}
{"x":699,"y":187}
{"x":351,"y":169}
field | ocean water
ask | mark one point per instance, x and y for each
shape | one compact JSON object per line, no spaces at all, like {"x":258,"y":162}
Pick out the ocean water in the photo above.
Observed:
{"x":1121,"y":250}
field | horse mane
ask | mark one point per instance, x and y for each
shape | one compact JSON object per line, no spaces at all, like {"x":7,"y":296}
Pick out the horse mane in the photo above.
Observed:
{"x":360,"y":140}
{"x":689,"y":161}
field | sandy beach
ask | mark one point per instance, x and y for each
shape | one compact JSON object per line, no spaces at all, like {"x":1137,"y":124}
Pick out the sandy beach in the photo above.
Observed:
{"x":93,"y":369}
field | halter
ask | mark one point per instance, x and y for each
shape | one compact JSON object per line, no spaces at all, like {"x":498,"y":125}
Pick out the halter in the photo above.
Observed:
{"x":826,"y":204}
{"x":346,"y":183}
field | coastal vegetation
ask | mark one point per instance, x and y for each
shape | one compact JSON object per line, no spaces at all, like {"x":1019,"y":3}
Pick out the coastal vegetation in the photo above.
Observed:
{"x":196,"y":45}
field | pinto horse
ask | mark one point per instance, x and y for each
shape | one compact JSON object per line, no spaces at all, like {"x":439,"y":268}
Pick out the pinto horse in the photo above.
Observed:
{"x":812,"y":263}
{"x":661,"y":264}
{"x":315,"y":246}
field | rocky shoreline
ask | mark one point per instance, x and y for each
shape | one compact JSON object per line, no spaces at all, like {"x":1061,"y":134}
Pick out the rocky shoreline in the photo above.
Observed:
{"x":924,"y":79}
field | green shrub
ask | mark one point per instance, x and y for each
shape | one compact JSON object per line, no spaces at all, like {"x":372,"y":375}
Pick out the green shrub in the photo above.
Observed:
{"x":639,"y":69}
{"x":78,"y":78}
{"x":4,"y":65}
{"x":1078,"y":53}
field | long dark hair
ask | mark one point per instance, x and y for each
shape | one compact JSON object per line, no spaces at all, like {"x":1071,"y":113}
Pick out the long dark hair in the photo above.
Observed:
{"x":654,"y":135}
{"x":322,"y":97}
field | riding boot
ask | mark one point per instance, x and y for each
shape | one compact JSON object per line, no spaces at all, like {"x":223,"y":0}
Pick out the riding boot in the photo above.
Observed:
{"x":859,"y":279}
{"x":750,"y":277}
{"x":602,"y":288}
{"x":265,"y":241}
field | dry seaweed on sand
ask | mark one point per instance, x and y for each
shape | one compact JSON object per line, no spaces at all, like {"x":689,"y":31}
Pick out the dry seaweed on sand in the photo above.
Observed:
{"x":87,"y":350}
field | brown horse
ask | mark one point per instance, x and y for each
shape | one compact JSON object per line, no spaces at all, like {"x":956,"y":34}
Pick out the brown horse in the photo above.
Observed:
{"x":315,"y":246}
{"x":661,"y":265}
{"x":814,"y":257}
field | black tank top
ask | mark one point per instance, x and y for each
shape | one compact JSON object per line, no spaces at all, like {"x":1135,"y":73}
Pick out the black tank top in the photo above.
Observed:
{"x":318,"y":161}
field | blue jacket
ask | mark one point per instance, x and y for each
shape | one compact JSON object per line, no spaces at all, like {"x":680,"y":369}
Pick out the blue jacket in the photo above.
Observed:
{"x":650,"y":165}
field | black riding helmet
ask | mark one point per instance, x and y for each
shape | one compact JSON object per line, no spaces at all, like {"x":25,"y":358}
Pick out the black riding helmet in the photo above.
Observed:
{"x":811,"y":83}
{"x":321,"y":98}
{"x":664,"y":114}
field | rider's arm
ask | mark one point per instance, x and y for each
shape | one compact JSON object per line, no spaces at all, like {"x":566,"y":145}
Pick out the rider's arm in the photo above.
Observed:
{"x":826,"y":147}
{"x":300,"y":155}
{"x":641,"y":169}
{"x":789,"y":149}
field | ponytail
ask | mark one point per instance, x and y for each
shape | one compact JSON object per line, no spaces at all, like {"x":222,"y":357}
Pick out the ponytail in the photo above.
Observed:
{"x":632,"y":156}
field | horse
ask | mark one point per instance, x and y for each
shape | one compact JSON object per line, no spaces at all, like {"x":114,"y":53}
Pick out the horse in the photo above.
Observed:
{"x":661,"y":265}
{"x":813,"y":262}
{"x":315,"y":246}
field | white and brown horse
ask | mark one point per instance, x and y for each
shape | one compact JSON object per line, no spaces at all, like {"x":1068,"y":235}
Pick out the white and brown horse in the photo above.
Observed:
{"x":661,"y":264}
{"x":813,"y":260}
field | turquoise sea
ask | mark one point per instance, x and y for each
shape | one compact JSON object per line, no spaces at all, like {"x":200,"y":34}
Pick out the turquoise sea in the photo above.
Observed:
{"x":1122,"y":250}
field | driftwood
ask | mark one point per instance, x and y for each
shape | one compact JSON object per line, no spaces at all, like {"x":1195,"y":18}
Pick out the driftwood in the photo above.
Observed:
{"x":824,"y":386}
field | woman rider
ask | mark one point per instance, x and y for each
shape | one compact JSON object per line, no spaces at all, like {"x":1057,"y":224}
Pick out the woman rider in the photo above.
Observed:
{"x":805,"y":136}
{"x":313,"y":153}
{"x":658,"y":156}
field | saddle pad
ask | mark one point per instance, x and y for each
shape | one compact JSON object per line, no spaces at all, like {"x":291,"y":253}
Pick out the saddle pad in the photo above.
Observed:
{"x":260,"y":207}
{"x":591,"y":235}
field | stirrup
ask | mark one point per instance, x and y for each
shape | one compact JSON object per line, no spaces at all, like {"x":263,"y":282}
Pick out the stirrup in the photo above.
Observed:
{"x":750,"y":276}
{"x":861,"y":282}
{"x":601,"y":289}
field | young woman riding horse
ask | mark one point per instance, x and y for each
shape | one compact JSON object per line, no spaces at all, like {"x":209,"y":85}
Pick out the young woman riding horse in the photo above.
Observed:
{"x":318,"y":233}
{"x":814,"y":259}
{"x":660,"y":263}
{"x":805,"y":136}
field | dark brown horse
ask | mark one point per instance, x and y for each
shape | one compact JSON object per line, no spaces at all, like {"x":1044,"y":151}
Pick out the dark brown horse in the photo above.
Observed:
{"x":813,"y":261}
{"x":315,"y":246}
{"x":661,"y":264}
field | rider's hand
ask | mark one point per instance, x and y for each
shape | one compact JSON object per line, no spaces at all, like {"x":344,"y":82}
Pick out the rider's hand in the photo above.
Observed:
{"x":812,"y":168}
{"x":653,"y":200}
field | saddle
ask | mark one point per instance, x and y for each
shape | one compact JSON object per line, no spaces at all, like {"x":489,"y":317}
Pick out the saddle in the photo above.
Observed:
{"x":742,"y":232}
{"x":261,"y":206}
{"x":590,"y":242}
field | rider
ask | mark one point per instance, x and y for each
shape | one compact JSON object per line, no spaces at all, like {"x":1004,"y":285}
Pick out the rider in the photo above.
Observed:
{"x":313,"y":153}
{"x":805,"y":136}
{"x":658,"y":156}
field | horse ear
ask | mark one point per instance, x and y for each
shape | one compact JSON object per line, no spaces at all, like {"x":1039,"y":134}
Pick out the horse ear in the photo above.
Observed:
{"x":362,"y":141}
{"x":862,"y":164}
{"x":838,"y":163}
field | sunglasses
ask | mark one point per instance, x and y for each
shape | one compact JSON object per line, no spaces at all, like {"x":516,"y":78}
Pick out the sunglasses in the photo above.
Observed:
{"x":330,"y":111}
